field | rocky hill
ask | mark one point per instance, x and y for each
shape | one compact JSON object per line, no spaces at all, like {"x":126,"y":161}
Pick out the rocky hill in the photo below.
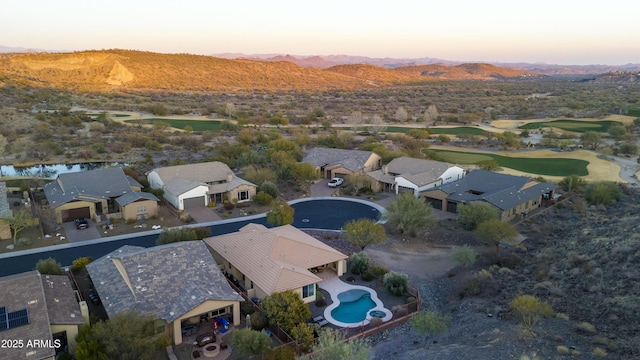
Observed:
{"x":119,"y":69}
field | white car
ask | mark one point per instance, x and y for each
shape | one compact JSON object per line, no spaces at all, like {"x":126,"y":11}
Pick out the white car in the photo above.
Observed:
{"x":335,"y":182}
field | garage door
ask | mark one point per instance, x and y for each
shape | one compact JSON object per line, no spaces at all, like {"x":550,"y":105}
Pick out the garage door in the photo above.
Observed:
{"x":72,"y":214}
{"x":193,"y":202}
{"x":452,"y":207}
{"x":436,"y":203}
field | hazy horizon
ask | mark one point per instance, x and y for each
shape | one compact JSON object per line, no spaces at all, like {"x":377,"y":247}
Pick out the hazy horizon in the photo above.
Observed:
{"x":464,"y":31}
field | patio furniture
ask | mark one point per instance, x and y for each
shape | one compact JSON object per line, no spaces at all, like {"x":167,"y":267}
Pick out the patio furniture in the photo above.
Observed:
{"x":320,"y":320}
{"x":204,"y":339}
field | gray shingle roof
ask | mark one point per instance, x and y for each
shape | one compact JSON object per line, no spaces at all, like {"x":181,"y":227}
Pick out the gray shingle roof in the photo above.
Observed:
{"x":352,"y":160}
{"x":5,"y":209}
{"x":134,"y":196}
{"x":24,"y":291}
{"x":167,"y":280}
{"x":101,"y":183}
{"x":501,"y":190}
{"x":62,"y":304}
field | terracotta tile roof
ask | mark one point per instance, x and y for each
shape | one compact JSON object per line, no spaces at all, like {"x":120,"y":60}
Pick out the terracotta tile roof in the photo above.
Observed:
{"x":275,"y":259}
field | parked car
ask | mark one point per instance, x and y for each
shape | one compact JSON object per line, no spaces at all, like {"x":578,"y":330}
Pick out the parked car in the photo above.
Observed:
{"x":95,"y":299}
{"x":335,"y":182}
{"x":82,"y":223}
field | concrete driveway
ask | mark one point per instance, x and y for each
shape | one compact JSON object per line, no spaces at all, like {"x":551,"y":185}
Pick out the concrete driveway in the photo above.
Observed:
{"x":75,"y":235}
{"x":203,"y":214}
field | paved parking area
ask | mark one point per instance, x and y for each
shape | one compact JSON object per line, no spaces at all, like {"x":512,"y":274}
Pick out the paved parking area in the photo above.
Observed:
{"x":203,"y":214}
{"x":75,"y":235}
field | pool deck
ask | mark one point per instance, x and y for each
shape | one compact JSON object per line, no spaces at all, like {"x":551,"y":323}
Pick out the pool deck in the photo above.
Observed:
{"x":332,"y":284}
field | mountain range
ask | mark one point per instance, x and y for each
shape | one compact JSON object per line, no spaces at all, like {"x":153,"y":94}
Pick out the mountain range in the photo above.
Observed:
{"x":116,"y":69}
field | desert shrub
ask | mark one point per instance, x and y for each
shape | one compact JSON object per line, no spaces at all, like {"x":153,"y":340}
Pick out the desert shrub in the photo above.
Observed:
{"x":463,"y":255}
{"x":396,"y":282}
{"x":270,"y":188}
{"x":202,"y":232}
{"x":262,"y":198}
{"x":481,"y":283}
{"x":349,"y":189}
{"x":599,"y":352}
{"x":359,"y":263}
{"x":281,"y":353}
{"x":530,"y":309}
{"x":80,"y":263}
{"x":602,"y":192}
{"x":375,"y":321}
{"x":302,"y":333}
{"x":378,"y":270}
{"x":367,"y":276}
{"x":365,"y":191}
{"x":228,"y":205}
{"x":586,"y":327}
{"x":572,"y":182}
{"x":246,"y":308}
{"x":471,"y":215}
{"x":258,"y":321}
{"x":22,"y":242}
{"x":49,"y":266}
{"x":430,"y":322}
{"x":321,"y":300}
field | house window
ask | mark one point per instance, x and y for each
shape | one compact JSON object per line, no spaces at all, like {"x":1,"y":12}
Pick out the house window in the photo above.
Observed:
{"x":308,"y":290}
{"x":243,"y":195}
{"x":142,"y":209}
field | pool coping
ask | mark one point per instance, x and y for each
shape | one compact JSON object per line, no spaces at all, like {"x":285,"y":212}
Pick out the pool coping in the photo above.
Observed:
{"x":335,"y":286}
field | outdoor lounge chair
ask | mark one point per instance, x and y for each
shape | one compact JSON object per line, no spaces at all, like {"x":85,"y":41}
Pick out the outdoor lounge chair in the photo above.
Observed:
{"x":320,"y":320}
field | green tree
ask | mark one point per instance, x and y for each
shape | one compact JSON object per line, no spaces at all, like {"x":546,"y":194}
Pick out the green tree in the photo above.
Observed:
{"x":396,"y":282}
{"x":262,"y":198}
{"x":250,"y":342}
{"x":331,"y":346}
{"x":409,"y":214}
{"x":49,"y":266}
{"x":363,"y":232}
{"x":88,"y":348}
{"x":430,"y":322}
{"x":280,"y":214}
{"x":288,"y":147}
{"x":259,"y":175}
{"x":177,"y":234}
{"x":270,"y":188}
{"x":81,"y":263}
{"x":530,"y":309}
{"x":285,"y":309}
{"x":591,"y":140}
{"x":129,"y":335}
{"x":303,"y":335}
{"x":496,"y":231}
{"x":19,"y":221}
{"x":463,"y":255}
{"x":489,"y":165}
{"x":474,"y":213}
{"x":618,"y":132}
{"x":281,"y":353}
{"x":572,"y":183}
{"x":602,"y":192}
{"x":629,"y":148}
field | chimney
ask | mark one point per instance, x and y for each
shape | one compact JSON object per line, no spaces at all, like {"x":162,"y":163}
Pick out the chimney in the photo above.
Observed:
{"x":385,"y":169}
{"x":229,"y":176}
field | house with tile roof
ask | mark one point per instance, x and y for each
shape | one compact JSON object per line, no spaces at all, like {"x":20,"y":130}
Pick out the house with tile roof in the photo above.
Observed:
{"x":269,"y":260}
{"x":196,"y":185}
{"x":411,"y":174}
{"x":511,"y":195}
{"x":105,"y":192}
{"x":42,"y":308}
{"x":330,"y":163}
{"x":179,"y":283}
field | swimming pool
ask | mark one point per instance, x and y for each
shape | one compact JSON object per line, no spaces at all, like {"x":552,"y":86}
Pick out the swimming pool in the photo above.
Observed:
{"x":354,"y":306}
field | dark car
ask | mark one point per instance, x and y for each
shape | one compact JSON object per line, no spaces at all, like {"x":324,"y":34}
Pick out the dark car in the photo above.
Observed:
{"x":82,"y":223}
{"x":95,"y":299}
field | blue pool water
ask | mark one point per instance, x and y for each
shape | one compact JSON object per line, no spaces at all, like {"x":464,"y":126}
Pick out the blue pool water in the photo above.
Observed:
{"x":354,"y":306}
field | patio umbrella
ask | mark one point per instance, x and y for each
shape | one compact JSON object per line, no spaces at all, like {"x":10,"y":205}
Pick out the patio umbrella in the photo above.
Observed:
{"x":248,"y":321}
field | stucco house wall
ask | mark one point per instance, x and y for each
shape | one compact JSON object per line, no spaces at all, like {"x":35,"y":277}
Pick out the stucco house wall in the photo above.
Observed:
{"x":232,"y":307}
{"x":75,"y":205}
{"x":148,"y":208}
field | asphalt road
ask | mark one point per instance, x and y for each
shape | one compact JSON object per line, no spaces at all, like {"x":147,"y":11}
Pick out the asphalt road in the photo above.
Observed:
{"x":330,"y":214}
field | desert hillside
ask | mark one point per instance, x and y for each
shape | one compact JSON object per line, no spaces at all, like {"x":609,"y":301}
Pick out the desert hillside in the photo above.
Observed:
{"x":117,"y":69}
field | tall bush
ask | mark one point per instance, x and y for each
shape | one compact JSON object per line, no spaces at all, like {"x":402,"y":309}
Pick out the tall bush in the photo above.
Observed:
{"x":396,"y":282}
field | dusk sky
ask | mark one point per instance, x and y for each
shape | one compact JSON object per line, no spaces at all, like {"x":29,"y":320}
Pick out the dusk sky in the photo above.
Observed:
{"x":554,"y":32}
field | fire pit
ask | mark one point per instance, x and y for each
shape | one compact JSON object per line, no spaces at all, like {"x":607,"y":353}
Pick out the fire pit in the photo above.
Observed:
{"x":210,"y":351}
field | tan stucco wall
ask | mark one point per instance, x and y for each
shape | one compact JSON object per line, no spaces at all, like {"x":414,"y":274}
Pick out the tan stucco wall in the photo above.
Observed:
{"x":75,"y":205}
{"x":5,"y":229}
{"x":373,"y":163}
{"x":437,"y":194}
{"x":72,"y":332}
{"x":207,"y":306}
{"x":131,"y":210}
{"x":233,"y":194}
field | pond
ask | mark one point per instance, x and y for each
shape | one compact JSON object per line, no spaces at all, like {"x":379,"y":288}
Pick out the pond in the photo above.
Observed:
{"x":51,"y":171}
